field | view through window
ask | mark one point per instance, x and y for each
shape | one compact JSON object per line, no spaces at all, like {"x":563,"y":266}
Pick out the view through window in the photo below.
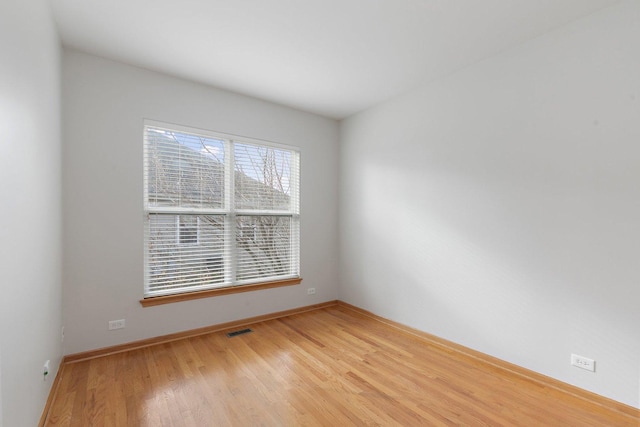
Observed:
{"x":220,"y":211}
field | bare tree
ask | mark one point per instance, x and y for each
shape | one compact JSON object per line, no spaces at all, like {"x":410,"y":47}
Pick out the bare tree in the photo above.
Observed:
{"x":264,"y":240}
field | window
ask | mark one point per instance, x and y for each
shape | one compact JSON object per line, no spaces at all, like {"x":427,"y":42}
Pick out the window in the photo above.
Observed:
{"x":220,"y":211}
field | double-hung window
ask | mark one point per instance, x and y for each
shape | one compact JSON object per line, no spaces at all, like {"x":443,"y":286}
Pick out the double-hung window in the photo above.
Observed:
{"x":220,"y":211}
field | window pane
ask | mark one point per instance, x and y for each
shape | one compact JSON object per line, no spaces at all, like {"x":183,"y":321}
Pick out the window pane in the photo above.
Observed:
{"x":172,"y":264}
{"x":184,"y":170}
{"x":266,"y":247}
{"x":219,"y":212}
{"x":263,"y":178}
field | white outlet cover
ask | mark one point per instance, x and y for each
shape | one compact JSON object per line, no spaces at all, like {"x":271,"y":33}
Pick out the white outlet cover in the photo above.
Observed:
{"x":583,"y":362}
{"x":116,"y":324}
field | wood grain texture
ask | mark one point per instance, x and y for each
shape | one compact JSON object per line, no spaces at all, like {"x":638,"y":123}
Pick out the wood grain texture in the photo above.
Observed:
{"x":501,"y":365}
{"x":329,"y":367}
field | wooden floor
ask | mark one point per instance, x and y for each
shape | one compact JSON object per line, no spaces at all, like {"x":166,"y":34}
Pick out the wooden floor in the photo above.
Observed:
{"x":329,"y":367}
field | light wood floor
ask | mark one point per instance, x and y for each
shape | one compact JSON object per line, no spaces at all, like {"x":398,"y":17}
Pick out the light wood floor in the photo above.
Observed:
{"x":329,"y":367}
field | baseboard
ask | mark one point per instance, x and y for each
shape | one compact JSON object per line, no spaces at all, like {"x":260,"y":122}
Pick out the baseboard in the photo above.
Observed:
{"x":91,"y":354}
{"x":504,"y":366}
{"x":498,"y":364}
{"x":52,"y":395}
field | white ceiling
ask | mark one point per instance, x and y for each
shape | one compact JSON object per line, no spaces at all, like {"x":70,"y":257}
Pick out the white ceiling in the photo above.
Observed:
{"x":330,"y":57}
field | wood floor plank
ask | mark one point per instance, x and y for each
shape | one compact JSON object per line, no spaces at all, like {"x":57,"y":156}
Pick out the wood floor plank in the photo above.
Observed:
{"x":328,"y":367}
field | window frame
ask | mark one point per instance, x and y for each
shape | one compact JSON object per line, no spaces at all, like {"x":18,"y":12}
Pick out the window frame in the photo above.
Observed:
{"x":229,"y":212}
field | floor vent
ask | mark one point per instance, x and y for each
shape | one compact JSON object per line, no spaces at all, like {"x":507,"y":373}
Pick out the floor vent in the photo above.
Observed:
{"x":240,"y":332}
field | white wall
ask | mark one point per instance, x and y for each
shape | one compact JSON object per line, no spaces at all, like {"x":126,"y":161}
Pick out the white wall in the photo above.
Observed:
{"x":500,"y":207}
{"x":30,"y":186}
{"x":104,"y":104}
{"x":1,"y":422}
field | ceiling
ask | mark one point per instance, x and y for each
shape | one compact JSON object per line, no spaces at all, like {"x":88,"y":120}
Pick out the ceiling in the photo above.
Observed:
{"x":329,"y":57}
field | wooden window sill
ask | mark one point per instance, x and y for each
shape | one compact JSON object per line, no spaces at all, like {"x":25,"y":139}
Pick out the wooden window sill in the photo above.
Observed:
{"x":168,"y":299}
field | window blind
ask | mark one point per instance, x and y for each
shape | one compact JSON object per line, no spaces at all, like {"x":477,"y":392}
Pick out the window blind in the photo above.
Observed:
{"x":184,"y":170}
{"x":219,"y":211}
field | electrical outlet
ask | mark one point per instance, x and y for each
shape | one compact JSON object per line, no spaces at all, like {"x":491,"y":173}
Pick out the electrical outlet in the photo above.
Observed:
{"x":311,"y":291}
{"x":116,"y":324}
{"x":583,"y":362}
{"x":45,"y":369}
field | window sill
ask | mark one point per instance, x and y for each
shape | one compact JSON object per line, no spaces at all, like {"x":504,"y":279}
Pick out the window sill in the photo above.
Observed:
{"x":168,"y":299}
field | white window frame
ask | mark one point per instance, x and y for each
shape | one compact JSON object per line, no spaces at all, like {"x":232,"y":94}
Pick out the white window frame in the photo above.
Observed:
{"x":229,"y":212}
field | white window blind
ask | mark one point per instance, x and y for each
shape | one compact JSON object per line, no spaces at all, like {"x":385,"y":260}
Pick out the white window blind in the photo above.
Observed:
{"x":219,"y":211}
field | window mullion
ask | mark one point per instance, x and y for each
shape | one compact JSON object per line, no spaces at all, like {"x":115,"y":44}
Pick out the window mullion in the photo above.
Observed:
{"x":186,"y":211}
{"x":230,"y":219}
